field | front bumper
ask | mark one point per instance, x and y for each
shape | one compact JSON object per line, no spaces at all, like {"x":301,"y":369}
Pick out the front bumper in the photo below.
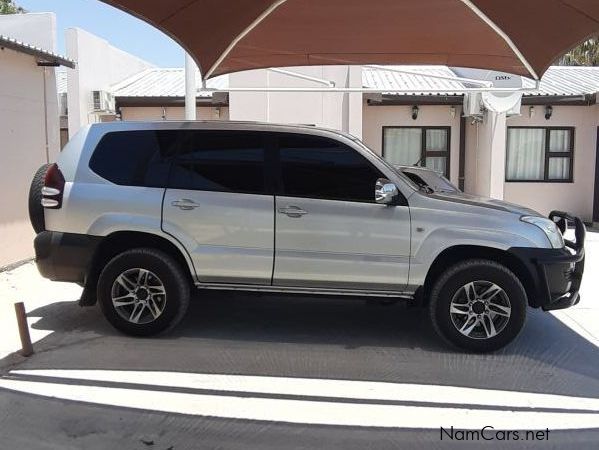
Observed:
{"x":555,"y":274}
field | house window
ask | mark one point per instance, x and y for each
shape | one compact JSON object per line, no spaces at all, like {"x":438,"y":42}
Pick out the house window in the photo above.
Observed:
{"x":539,"y":154}
{"x":422,"y":146}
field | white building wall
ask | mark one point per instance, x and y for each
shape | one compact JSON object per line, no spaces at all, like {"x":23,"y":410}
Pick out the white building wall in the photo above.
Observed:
{"x":26,"y":112}
{"x":99,"y":65}
{"x":377,"y":117}
{"x":32,"y":28}
{"x":340,"y":111}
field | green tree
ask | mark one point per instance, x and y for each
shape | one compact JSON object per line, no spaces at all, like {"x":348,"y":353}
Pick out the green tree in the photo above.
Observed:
{"x":586,"y":54}
{"x":9,"y":7}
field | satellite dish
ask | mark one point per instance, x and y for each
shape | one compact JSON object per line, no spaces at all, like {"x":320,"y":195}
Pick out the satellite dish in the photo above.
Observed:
{"x":502,"y":101}
{"x":498,"y":102}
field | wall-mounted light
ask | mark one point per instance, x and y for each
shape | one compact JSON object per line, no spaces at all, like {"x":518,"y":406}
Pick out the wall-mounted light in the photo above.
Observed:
{"x":415,"y":111}
{"x":452,"y":112}
{"x":548,"y":112}
{"x":531,"y":112}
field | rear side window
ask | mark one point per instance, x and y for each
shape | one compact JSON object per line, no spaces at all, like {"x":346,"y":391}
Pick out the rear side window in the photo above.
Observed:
{"x":135,"y":158}
{"x":222,"y":161}
{"x":316,"y":167}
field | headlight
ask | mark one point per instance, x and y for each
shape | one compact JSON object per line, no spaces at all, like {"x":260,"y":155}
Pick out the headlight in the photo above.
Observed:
{"x":549,"y":228}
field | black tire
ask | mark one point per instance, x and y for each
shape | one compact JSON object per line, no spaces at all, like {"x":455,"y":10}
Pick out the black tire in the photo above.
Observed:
{"x":36,"y":210}
{"x":450,"y":283}
{"x":162,"y":268}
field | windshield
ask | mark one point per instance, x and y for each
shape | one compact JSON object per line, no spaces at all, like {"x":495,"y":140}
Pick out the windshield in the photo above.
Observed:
{"x":385,"y":162}
{"x":419,"y":177}
{"x":428,"y":178}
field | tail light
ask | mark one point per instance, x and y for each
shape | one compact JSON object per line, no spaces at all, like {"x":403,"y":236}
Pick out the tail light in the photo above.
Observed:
{"x":53,"y":188}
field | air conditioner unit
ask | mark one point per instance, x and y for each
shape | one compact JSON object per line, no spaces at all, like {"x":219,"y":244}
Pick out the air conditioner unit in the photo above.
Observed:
{"x":473,"y":105}
{"x":102,"y":102}
{"x":63,"y":104}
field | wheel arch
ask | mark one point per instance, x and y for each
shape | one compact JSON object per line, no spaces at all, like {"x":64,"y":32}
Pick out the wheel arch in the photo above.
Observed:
{"x":120,"y":241}
{"x":458,"y":253}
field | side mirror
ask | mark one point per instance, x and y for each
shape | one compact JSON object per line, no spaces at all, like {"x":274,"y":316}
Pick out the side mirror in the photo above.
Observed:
{"x":385,"y":192}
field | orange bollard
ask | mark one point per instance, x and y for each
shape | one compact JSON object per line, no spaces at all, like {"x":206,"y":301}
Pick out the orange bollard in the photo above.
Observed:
{"x":26,"y":346}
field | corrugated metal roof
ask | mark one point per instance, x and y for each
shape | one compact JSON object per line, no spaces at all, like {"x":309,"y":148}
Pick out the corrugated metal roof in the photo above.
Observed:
{"x":375,"y":78}
{"x":157,"y":82}
{"x":44,"y":55}
{"x":558,"y":81}
{"x":61,"y":81}
{"x":567,"y":81}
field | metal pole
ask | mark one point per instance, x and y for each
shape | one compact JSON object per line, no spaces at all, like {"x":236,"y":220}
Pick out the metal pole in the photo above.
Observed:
{"x":302,"y":76}
{"x":190,"y":88}
{"x":26,"y":346}
{"x":366,"y":90}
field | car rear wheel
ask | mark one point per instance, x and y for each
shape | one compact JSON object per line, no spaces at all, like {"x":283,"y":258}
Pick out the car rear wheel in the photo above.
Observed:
{"x":478,"y":305}
{"x":143,"y":292}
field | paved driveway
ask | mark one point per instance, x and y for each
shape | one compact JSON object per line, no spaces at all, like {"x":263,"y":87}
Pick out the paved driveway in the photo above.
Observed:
{"x":250,"y":371}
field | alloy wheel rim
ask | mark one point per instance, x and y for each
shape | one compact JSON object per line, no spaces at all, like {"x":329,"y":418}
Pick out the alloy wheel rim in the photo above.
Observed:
{"x":138,"y":296}
{"x":480,"y":310}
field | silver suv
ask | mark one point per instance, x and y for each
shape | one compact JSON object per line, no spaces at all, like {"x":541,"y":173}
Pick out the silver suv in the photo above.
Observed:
{"x":139,"y":213}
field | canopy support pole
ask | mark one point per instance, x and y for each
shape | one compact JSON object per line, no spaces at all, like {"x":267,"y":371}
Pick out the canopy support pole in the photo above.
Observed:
{"x":243,"y":34}
{"x":481,"y":15}
{"x":190,"y":88}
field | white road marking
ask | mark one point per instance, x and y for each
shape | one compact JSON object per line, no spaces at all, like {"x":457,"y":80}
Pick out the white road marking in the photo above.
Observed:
{"x":304,"y":411}
{"x":346,"y":389}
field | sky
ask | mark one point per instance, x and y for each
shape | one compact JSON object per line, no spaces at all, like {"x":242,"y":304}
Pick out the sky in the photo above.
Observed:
{"x":120,"y":29}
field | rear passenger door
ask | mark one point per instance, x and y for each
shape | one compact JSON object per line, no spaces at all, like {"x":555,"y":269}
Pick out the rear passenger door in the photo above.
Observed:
{"x":330,"y":232}
{"x":219,"y":207}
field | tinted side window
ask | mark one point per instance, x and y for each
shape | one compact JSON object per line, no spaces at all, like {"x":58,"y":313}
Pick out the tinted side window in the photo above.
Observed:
{"x":223,"y":161}
{"x":323,"y":168}
{"x":134,"y":158}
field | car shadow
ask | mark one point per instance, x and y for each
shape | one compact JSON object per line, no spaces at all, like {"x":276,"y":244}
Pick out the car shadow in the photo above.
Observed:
{"x":299,"y":336}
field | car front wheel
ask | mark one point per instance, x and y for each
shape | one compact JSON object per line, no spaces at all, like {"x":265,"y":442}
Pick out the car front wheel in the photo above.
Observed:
{"x":478,"y":305}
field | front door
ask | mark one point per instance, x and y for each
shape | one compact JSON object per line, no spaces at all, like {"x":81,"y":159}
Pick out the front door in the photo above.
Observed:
{"x":329,"y":232}
{"x":218,"y":207}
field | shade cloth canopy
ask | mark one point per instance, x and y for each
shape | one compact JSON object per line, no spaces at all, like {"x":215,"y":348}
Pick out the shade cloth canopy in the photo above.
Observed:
{"x":523,"y":37}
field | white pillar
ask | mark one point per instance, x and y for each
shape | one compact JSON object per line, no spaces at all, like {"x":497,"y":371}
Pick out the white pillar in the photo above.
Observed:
{"x":190,"y":88}
{"x":490,"y":151}
{"x":355,"y":103}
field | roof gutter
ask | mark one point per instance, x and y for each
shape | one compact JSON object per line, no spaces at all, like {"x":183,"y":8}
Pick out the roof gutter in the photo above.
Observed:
{"x":44,"y":58}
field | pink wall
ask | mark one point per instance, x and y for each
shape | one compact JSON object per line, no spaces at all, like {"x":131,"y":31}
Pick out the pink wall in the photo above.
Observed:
{"x":172,"y":113}
{"x":376,"y":117}
{"x":576,"y":197}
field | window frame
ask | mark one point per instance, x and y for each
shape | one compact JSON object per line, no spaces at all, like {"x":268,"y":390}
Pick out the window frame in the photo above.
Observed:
{"x":423,"y":152}
{"x":267,"y":147}
{"x":97,"y":151}
{"x":548,"y":154}
{"x":278,"y":169}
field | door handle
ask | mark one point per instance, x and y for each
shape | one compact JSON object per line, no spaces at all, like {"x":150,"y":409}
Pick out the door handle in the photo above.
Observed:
{"x":185,"y":204}
{"x":293,"y":211}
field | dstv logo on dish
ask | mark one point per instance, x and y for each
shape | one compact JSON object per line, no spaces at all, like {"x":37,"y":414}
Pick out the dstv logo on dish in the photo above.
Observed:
{"x":502,"y":78}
